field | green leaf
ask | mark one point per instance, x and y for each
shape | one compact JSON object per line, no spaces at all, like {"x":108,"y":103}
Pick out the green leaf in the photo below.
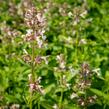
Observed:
{"x":96,"y":91}
{"x":46,"y":105}
{"x":100,"y":93}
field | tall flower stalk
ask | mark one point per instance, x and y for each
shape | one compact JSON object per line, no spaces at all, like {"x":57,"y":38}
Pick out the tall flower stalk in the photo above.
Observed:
{"x":35,"y":21}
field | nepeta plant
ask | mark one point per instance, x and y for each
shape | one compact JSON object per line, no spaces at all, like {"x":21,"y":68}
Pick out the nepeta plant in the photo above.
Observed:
{"x":35,"y":21}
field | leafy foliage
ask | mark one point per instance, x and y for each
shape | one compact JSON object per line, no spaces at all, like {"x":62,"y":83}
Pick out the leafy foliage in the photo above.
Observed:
{"x":72,"y":60}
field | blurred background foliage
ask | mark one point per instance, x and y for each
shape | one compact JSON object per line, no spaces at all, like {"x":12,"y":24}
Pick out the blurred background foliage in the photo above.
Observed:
{"x":79,"y":29}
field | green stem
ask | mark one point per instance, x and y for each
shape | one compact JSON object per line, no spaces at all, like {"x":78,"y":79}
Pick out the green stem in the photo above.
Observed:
{"x":76,"y":48}
{"x":32,"y":71}
{"x":30,"y":103}
{"x":32,"y":63}
{"x":38,"y":105}
{"x":85,"y":99}
{"x":104,"y":107}
{"x":61,"y":97}
{"x":60,"y":102}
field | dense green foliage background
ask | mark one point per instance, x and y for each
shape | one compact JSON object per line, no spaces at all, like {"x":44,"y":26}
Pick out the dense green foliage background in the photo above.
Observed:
{"x":88,"y":41}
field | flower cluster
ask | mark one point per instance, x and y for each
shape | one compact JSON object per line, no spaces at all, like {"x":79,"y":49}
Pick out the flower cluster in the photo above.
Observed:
{"x":36,"y":22}
{"x":85,"y":75}
{"x":78,"y":13}
{"x":15,"y":106}
{"x":83,"y":83}
{"x":83,"y":80}
{"x":61,"y":61}
{"x":35,"y":86}
{"x":88,"y":100}
{"x":9,"y":33}
{"x":37,"y":60}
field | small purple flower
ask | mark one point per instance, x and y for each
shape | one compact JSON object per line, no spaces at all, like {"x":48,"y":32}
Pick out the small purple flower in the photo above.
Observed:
{"x":38,"y":59}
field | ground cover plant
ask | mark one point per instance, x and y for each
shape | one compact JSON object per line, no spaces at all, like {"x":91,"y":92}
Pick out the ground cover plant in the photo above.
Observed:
{"x":54,"y":54}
